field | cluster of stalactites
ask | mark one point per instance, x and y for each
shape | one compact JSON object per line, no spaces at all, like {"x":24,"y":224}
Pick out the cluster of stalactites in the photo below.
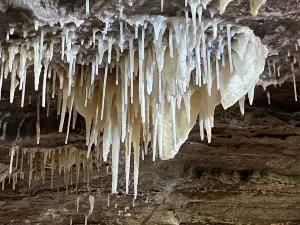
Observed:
{"x":274,"y":75}
{"x":141,"y":92}
{"x":58,"y":161}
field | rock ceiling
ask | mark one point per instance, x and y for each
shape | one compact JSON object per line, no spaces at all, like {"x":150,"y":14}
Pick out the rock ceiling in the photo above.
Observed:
{"x":248,"y":173}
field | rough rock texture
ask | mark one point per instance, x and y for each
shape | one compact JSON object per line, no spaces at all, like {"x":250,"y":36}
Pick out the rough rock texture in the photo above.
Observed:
{"x":249,"y":174}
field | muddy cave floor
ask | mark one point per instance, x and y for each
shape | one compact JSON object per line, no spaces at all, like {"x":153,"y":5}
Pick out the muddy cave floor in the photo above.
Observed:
{"x":249,"y":174}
